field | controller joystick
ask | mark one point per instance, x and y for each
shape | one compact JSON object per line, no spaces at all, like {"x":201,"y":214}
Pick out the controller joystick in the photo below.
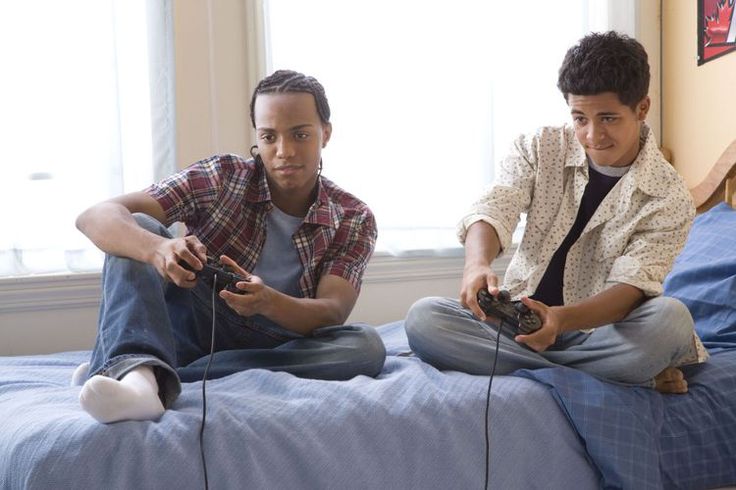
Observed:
{"x":223,"y":275}
{"x":514,"y":313}
{"x":521,"y":308}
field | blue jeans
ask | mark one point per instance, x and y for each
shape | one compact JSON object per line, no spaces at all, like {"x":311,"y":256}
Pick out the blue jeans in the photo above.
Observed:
{"x":632,"y":352}
{"x":146,"y":320}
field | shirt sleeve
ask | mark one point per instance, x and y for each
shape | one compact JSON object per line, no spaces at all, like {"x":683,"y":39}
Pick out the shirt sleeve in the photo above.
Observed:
{"x":511,"y":194}
{"x":351,"y":258}
{"x":653,"y":247}
{"x":187,"y":195}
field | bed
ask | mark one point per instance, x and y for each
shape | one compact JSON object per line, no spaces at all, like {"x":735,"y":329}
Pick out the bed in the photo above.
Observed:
{"x":413,"y":426}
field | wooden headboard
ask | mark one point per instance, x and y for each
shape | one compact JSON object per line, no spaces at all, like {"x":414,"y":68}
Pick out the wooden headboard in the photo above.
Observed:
{"x":720,"y":183}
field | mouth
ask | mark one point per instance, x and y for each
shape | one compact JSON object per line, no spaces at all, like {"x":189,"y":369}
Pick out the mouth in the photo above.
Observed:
{"x":599,"y":148}
{"x":287,"y":169}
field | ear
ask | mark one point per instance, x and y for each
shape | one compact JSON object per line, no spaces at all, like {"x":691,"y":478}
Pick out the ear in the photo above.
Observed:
{"x":642,"y":108}
{"x":326,"y":133}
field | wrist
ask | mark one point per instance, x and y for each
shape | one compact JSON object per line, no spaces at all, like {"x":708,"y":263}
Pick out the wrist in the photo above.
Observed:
{"x":476,"y":264}
{"x":564,"y":323}
{"x":271,"y":303}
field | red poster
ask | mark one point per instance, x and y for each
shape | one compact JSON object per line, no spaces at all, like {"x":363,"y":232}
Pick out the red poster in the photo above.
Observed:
{"x":716,"y":29}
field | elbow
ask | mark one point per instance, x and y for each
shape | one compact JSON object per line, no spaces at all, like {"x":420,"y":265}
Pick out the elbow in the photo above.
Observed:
{"x":81,"y":221}
{"x":338,"y":314}
{"x":337,"y":317}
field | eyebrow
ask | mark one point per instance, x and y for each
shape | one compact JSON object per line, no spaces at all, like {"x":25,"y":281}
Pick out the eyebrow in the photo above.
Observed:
{"x":604,"y":113}
{"x":293,"y":128}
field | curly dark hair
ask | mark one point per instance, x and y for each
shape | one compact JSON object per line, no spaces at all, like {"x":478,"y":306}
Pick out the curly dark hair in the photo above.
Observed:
{"x":606,"y":62}
{"x":286,"y":81}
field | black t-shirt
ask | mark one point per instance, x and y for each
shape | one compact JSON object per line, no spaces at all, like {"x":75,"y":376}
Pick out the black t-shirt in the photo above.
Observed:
{"x":551,"y":286}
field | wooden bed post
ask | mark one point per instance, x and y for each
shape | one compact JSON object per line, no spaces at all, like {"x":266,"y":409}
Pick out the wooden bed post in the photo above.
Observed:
{"x":720,"y":183}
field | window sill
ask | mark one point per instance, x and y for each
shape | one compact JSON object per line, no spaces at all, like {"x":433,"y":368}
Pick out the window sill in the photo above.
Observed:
{"x":49,"y":291}
{"x":82,"y":290}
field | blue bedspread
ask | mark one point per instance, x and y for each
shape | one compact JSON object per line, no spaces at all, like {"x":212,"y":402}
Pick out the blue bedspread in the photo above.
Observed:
{"x":412,"y":427}
{"x":641,"y":439}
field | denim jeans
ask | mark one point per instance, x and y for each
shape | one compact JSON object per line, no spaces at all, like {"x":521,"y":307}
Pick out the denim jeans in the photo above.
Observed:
{"x":631,"y":352}
{"x":146,"y":320}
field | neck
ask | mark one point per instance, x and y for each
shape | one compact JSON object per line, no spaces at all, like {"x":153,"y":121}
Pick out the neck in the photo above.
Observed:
{"x":295,"y":203}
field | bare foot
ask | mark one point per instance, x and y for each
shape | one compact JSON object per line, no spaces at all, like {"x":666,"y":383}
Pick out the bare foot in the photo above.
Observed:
{"x":671,"y":380}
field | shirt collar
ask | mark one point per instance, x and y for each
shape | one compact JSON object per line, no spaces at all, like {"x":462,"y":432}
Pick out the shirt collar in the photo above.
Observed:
{"x":641,"y":174}
{"x":322,"y":211}
{"x":644,"y":172}
{"x":258,"y":186}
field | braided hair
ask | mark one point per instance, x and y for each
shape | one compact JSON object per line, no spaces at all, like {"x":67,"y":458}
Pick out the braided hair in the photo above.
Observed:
{"x":285,"y":81}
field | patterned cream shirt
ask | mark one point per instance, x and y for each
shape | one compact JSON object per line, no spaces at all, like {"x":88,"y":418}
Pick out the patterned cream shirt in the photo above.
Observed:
{"x":633,"y":237}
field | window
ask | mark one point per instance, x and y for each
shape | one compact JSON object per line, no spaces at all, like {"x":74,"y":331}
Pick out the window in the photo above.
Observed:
{"x":427,"y":95}
{"x":83,"y":82}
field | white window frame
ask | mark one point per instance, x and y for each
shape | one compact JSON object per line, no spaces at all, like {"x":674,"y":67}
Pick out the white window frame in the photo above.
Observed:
{"x":82,"y":290}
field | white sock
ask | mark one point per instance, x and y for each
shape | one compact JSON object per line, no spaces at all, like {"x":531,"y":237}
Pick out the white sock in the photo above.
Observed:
{"x":134,"y":397}
{"x":80,"y":374}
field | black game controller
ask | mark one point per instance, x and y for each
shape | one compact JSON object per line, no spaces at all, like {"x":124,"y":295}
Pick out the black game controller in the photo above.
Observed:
{"x":226,"y":278}
{"x":514,"y":313}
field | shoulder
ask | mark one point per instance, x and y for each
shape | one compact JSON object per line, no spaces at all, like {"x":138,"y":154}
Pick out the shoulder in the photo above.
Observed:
{"x":546,"y":141}
{"x":658,"y":178}
{"x":347,"y":205}
{"x":226,"y":164}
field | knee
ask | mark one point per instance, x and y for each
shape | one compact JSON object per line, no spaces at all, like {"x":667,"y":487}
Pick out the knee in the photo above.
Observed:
{"x":421,"y":319}
{"x":677,"y":316}
{"x":151,"y":224}
{"x":672,"y":323}
{"x":428,"y":325}
{"x":375,"y":350}
{"x":368,"y":353}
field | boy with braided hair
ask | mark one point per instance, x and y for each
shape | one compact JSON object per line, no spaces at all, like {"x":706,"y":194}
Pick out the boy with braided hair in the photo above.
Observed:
{"x":301,"y":242}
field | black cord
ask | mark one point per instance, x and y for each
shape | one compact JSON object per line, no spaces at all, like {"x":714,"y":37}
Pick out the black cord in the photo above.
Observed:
{"x":488,"y":404}
{"x":204,"y":392}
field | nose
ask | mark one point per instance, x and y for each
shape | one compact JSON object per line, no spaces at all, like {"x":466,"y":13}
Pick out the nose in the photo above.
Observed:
{"x":284,"y":148}
{"x":595,"y":132}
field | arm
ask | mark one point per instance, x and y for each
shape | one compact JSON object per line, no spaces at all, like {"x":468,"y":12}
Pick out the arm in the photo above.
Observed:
{"x":606,"y":307}
{"x":482,"y":246}
{"x":337,"y":288}
{"x":111,"y":227}
{"x":332,"y":305}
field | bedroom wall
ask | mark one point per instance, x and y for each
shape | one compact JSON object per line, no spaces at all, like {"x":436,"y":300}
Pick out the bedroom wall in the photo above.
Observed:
{"x":698,"y":101}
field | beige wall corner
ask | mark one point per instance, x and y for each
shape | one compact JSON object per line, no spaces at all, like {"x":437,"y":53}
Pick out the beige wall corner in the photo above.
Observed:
{"x":647,"y":33}
{"x":699,"y":102}
{"x":215,"y":75}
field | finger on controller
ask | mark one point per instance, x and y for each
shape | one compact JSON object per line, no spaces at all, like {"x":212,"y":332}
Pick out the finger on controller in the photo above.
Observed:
{"x":221,"y":275}
{"x":518,"y":315}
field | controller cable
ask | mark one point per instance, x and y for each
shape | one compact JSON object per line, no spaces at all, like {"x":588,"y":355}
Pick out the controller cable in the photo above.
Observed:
{"x":204,"y":382}
{"x":488,"y":404}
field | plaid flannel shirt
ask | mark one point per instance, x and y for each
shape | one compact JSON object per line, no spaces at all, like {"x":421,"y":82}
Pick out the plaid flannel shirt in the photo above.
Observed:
{"x":224,"y":201}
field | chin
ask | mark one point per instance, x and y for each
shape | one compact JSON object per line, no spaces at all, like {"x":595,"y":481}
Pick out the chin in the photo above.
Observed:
{"x":604,"y":159}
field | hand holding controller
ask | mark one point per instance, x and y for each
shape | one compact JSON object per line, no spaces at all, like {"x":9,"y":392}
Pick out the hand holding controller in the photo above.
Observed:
{"x":226,"y":278}
{"x":514,"y":313}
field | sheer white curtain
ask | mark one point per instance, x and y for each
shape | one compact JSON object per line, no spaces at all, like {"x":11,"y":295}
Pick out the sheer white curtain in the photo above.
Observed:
{"x":427,"y":95}
{"x":86,"y":112}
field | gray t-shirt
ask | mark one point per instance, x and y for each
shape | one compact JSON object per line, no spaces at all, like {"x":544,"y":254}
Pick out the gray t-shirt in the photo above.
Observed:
{"x":279,"y":265}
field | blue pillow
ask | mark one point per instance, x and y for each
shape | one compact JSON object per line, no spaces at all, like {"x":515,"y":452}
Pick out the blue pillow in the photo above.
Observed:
{"x":704,"y":277}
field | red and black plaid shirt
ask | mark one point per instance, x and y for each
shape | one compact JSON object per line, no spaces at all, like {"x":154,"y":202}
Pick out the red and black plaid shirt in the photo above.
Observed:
{"x":224,"y":201}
